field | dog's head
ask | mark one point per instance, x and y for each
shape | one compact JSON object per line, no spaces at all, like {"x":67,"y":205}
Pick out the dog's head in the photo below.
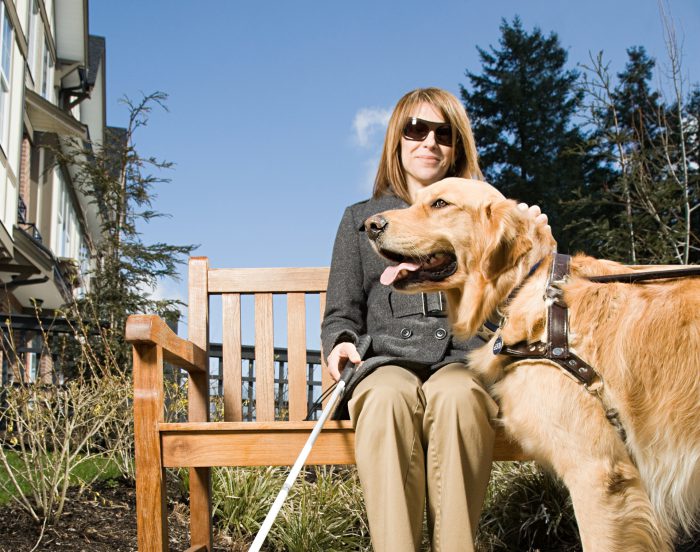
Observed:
{"x":462,"y":237}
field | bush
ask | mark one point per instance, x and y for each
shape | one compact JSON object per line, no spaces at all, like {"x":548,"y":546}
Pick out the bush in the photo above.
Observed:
{"x":324,"y":513}
{"x":242,"y":497}
{"x":53,"y":432}
{"x":527,"y":509}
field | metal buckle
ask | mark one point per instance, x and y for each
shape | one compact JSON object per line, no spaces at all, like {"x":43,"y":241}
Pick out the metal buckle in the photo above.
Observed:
{"x":555,"y":293}
{"x":440,"y":311}
{"x":595,"y":388}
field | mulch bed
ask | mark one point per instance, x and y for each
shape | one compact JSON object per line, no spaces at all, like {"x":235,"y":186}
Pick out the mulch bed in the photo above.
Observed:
{"x":100,"y":520}
{"x":104,"y":520}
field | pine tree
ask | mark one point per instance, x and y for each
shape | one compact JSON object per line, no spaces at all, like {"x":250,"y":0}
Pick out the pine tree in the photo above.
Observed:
{"x":522,"y":105}
{"x":119,"y":181}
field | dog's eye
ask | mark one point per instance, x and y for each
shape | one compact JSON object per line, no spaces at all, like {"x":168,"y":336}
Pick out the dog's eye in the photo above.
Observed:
{"x":439,"y":204}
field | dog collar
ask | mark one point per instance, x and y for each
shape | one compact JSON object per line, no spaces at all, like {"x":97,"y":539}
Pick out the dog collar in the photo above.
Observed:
{"x":490,"y":327}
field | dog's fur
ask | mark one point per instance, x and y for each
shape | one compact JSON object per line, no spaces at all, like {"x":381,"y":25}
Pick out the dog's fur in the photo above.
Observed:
{"x":644,"y":339}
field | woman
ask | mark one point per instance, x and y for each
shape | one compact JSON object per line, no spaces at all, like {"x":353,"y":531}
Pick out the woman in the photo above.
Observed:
{"x":422,"y":421}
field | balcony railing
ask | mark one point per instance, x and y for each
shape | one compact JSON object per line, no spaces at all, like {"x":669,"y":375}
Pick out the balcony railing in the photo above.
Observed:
{"x":29,"y":227}
{"x":216,"y":384}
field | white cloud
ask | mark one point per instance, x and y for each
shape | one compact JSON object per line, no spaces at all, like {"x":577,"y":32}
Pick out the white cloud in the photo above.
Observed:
{"x":167,"y":288}
{"x":368,"y":122}
{"x":370,"y":172}
{"x":170,"y":289}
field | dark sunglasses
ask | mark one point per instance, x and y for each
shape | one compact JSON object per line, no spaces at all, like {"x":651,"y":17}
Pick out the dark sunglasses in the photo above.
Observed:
{"x":418,"y":130}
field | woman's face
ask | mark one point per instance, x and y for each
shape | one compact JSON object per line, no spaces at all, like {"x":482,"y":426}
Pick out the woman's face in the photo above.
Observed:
{"x":424,"y":162}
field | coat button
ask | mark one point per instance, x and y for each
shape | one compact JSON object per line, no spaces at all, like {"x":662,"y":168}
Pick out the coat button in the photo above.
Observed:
{"x":406,"y":333}
{"x":441,"y":333}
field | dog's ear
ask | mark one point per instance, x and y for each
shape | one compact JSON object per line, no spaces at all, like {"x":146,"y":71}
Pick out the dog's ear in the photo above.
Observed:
{"x":506,"y":238}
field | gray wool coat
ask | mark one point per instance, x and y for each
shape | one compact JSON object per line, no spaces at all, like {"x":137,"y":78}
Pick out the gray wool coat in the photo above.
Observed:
{"x":388,"y":327}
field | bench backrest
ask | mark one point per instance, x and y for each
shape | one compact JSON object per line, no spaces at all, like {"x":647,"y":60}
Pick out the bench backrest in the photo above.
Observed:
{"x":263,"y":283}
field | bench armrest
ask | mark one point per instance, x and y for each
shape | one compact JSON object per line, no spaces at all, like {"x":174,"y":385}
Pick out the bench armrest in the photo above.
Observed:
{"x":150,"y":329}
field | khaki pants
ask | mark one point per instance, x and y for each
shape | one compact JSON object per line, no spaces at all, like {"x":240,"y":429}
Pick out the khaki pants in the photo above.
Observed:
{"x":415,"y":439}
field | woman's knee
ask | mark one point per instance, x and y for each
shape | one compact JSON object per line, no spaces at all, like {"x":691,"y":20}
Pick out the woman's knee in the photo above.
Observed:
{"x":388,"y":391}
{"x":455,"y":389}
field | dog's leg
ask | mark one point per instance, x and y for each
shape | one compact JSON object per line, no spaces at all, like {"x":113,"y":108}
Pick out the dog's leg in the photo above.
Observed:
{"x":563,"y":427}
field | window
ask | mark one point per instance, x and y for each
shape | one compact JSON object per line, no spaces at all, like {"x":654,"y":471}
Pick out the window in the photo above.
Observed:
{"x":32,"y":40}
{"x":47,"y":73}
{"x":5,"y":71}
{"x":84,"y":263}
{"x":62,"y":221}
{"x":67,"y":242}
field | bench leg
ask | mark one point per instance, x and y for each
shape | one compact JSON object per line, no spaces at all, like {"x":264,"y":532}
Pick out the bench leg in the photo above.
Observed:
{"x":151,"y":502}
{"x":200,"y":507}
{"x":200,"y":480}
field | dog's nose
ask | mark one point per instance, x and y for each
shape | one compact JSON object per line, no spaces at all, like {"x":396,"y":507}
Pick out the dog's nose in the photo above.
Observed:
{"x":375,"y":225}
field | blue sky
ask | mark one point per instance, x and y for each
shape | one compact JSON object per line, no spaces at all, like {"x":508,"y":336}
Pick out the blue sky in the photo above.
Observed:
{"x":275,"y":107}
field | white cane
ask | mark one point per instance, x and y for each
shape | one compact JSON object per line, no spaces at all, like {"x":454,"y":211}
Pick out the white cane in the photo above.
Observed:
{"x":296,"y":468}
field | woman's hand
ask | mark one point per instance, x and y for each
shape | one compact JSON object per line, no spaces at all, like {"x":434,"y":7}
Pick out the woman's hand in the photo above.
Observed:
{"x":339,"y":357}
{"x":536,"y":213}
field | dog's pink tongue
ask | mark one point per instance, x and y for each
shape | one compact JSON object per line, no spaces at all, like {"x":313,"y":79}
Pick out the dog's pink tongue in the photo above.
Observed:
{"x":391,"y":272}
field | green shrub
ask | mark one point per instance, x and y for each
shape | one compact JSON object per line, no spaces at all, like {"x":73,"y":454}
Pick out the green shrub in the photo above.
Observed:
{"x":324,"y":510}
{"x":242,"y":498}
{"x":324,"y":513}
{"x":527,"y":509}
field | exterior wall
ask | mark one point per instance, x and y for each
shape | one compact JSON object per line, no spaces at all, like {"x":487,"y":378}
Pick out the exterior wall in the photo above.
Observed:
{"x":92,"y":110}
{"x":14,"y":135}
{"x":11,"y":135}
{"x":35,"y":37}
{"x":41,"y":30}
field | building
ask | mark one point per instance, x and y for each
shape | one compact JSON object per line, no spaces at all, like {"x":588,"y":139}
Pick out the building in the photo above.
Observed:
{"x":52,"y":92}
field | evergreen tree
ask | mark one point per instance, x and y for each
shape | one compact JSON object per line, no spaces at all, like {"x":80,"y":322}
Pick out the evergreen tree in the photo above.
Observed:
{"x":522,"y":105}
{"x":637,"y":105}
{"x":119,"y":181}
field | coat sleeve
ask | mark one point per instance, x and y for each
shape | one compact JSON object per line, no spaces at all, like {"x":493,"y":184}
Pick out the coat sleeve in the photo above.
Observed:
{"x":346,"y":302}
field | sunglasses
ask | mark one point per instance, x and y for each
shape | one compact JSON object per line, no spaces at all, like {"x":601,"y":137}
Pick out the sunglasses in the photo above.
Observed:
{"x":418,"y":129}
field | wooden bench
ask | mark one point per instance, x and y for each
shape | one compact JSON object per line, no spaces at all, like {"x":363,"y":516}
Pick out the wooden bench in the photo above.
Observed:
{"x":200,"y":444}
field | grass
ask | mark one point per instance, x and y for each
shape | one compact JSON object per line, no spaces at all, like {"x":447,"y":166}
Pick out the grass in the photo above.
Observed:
{"x":526,"y":509}
{"x":86,"y":471}
{"x":324,"y":511}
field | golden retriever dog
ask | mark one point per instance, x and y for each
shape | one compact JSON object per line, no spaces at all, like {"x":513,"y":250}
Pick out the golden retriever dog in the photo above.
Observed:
{"x":631,"y":491}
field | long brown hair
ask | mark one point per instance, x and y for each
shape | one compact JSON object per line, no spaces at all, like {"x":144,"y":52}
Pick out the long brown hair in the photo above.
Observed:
{"x":463,"y":156}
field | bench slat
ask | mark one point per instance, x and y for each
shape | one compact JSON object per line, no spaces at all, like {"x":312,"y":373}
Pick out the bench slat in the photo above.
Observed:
{"x":296,"y":350}
{"x":240,"y":445}
{"x":268,"y":280}
{"x":264,"y":359}
{"x":326,"y":379}
{"x":271,"y":444}
{"x":231,"y":356}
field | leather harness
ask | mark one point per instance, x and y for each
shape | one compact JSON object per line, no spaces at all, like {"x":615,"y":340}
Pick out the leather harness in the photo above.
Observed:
{"x":556,"y":348}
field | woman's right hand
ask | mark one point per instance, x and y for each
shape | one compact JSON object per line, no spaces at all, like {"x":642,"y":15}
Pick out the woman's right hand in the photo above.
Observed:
{"x":339,"y":357}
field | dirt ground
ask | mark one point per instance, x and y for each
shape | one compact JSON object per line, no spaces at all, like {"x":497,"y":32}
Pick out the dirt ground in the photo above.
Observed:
{"x":99,"y":521}
{"x":104,"y":520}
